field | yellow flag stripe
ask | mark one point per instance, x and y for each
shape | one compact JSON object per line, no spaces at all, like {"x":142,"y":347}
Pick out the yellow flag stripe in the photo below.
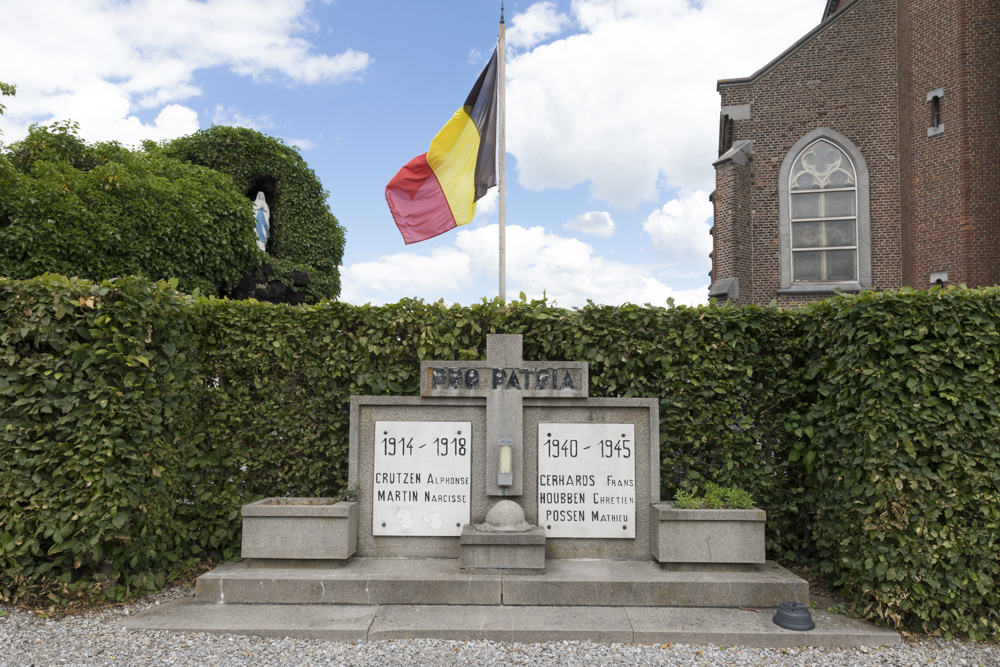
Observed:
{"x":452,"y":157}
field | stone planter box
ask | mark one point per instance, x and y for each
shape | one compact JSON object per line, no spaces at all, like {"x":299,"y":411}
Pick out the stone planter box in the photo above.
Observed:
{"x":300,"y":529}
{"x":707,"y":536}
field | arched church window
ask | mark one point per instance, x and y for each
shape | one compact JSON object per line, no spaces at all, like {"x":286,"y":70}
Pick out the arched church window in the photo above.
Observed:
{"x":824,"y":216}
{"x":824,"y":208}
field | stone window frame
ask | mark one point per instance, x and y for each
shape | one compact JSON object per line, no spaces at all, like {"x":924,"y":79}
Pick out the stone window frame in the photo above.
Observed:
{"x":934,"y":98}
{"x":864,"y":280}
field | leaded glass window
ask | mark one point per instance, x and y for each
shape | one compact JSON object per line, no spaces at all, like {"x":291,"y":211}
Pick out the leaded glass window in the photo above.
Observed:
{"x":824,"y":215}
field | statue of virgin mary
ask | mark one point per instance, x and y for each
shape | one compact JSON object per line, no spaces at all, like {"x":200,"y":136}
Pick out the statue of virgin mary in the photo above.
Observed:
{"x":262,"y":215}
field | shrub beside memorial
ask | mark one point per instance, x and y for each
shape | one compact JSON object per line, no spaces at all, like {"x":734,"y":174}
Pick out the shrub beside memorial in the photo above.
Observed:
{"x":907,"y":442}
{"x":137,"y":422}
{"x":93,"y":381}
{"x":715,"y":498}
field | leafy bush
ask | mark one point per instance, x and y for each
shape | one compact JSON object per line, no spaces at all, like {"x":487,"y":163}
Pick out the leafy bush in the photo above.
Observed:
{"x":715,"y":498}
{"x":305,"y":236}
{"x":907,"y":473}
{"x":6,"y":90}
{"x":93,"y":380}
{"x":99,"y":211}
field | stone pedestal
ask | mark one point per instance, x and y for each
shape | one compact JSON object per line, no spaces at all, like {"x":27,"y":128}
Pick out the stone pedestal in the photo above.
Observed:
{"x":508,"y":552}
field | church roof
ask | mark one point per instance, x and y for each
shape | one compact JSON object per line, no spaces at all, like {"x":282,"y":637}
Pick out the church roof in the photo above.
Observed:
{"x":832,"y":6}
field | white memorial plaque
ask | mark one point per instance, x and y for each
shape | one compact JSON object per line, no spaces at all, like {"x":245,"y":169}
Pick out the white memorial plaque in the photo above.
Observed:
{"x":423,"y":474}
{"x":586,"y":480}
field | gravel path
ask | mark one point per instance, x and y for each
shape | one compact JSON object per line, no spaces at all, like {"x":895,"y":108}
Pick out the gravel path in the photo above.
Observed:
{"x":95,"y":638}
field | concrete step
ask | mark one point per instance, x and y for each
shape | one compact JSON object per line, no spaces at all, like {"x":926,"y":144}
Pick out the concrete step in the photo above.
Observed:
{"x":691,"y":625}
{"x":438,"y":581}
{"x":646,"y":584}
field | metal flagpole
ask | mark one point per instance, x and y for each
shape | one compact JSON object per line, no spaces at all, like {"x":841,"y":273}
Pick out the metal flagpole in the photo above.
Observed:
{"x":502,"y":151}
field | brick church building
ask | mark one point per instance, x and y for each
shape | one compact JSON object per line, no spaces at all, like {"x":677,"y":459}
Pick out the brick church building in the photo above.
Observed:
{"x":863,"y":157}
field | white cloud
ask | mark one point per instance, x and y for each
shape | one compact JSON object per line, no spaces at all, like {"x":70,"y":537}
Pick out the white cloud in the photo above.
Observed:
{"x":392,"y":277}
{"x":565,"y":270}
{"x":597,"y":223}
{"x":229,"y":116}
{"x":223,"y":115}
{"x":679,"y":229}
{"x":629,"y":104}
{"x":302,"y":144}
{"x":100,"y":62}
{"x":537,"y":23}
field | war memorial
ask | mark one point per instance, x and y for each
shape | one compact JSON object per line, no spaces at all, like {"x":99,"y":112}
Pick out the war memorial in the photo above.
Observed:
{"x":505,"y":504}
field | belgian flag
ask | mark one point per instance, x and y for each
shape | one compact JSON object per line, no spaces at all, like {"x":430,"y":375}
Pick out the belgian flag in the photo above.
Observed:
{"x":438,"y":190}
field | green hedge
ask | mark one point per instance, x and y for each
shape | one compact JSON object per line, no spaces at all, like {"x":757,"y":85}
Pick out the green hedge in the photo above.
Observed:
{"x":99,"y":210}
{"x":93,"y":378}
{"x":907,"y":443}
{"x":865,"y":425}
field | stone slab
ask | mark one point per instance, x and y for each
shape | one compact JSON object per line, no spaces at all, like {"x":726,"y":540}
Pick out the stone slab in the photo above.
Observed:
{"x":535,"y":535}
{"x":667,"y":512}
{"x":300,"y":529}
{"x":330,"y":622}
{"x":286,"y":563}
{"x":365,"y":412}
{"x":300,"y":507}
{"x":360,"y":581}
{"x":584,"y":583}
{"x":643,"y":413}
{"x":726,"y":627}
{"x":751,"y":627}
{"x":502,"y":624}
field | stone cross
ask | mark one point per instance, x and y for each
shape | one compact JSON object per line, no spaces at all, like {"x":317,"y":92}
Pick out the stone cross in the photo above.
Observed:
{"x":504,"y":379}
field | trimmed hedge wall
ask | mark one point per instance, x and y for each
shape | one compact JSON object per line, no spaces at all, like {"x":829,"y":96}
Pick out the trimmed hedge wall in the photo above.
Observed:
{"x":907,"y":498}
{"x":93,"y":378}
{"x":137,"y":421}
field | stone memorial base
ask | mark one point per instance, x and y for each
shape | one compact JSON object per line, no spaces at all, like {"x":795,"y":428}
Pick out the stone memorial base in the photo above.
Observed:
{"x":371,"y":599}
{"x":440,"y":581}
{"x":497,"y":623}
{"x":503,"y":503}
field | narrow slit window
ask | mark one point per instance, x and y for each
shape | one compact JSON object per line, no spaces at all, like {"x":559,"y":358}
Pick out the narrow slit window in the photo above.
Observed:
{"x":934,"y":98}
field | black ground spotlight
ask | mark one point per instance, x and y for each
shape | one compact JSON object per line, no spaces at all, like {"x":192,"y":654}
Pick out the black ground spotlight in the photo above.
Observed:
{"x":793,"y":616}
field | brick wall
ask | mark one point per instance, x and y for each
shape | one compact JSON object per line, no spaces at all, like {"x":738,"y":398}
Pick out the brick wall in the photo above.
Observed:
{"x":730,"y":236}
{"x":906,"y":138}
{"x":953,"y":179}
{"x":935,"y":200}
{"x":982,"y":138}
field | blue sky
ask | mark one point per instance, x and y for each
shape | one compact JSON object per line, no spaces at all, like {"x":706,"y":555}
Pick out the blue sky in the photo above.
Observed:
{"x":612,"y":119}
